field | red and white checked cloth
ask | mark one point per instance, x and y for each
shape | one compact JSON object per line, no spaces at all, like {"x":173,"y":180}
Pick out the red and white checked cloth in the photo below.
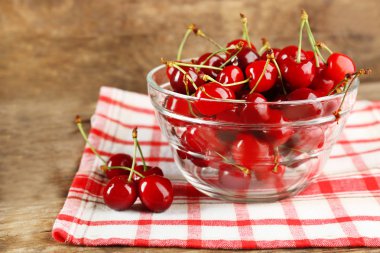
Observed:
{"x":342,"y":208}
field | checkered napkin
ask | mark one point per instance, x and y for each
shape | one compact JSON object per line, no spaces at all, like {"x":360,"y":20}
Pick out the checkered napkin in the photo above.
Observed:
{"x":342,"y":208}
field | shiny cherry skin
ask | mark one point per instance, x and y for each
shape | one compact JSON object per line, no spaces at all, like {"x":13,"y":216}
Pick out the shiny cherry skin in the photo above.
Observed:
{"x":256,"y":110}
{"x":149,"y":171}
{"x":232,"y":115}
{"x":280,"y":134}
{"x":169,"y":71}
{"x":214,"y":61}
{"x":297,"y":75}
{"x":305,"y":111}
{"x":178,"y":106}
{"x":178,"y":81}
{"x":254,"y":71}
{"x":338,"y":65}
{"x":231,"y":74}
{"x":118,"y":160}
{"x":119,"y":193}
{"x":156,"y":193}
{"x":245,"y":57}
{"x":307,"y":139}
{"x":232,"y":178}
{"x":212,"y":91}
{"x":321,"y":84}
{"x":276,"y":52}
{"x":203,"y":141}
{"x":248,"y":151}
{"x":244,"y":43}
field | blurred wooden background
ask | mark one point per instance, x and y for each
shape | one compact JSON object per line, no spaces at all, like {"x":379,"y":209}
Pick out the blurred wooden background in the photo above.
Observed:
{"x":53,"y":43}
{"x":54,"y":56}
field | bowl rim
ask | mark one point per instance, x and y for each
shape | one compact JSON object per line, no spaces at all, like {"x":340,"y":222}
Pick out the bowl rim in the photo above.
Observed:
{"x":153,"y":84}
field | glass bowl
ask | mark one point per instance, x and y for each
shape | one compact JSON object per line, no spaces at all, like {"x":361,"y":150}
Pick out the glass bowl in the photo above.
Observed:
{"x":243,"y":159}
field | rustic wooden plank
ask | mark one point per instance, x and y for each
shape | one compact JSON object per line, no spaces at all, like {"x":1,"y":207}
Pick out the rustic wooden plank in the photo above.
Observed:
{"x":56,"y":54}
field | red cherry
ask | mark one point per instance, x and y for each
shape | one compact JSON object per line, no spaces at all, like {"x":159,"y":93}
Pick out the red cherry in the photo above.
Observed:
{"x":245,"y":57}
{"x":120,"y":159}
{"x":254,"y":71}
{"x":278,"y":134}
{"x":178,"y":80}
{"x":178,"y":106}
{"x":304,"y":111}
{"x":256,"y":111}
{"x":231,"y":115}
{"x":338,"y":65}
{"x":169,"y":71}
{"x":119,"y":193}
{"x":298,"y":75}
{"x":248,"y":151}
{"x":202,"y":141}
{"x":244,"y":43}
{"x":276,"y":52}
{"x":156,"y":193}
{"x":214,"y":61}
{"x":321,"y":84}
{"x":212,"y":91}
{"x":150,"y":171}
{"x":233,"y":178}
{"x":231,"y":74}
{"x":307,"y":139}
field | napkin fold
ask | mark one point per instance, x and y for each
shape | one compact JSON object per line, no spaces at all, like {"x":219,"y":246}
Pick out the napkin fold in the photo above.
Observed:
{"x":342,"y":208}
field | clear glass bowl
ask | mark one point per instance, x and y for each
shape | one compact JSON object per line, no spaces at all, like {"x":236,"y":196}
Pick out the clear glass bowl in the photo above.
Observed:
{"x":242,"y":160}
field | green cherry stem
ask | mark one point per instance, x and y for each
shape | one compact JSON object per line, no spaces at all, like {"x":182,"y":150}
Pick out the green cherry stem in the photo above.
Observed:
{"x":239,"y":47}
{"x":134,"y":137}
{"x":194,"y":65}
{"x":353,"y":77}
{"x":226,"y":160}
{"x":270,"y":56}
{"x":78,"y":122}
{"x":206,"y":78}
{"x":201,"y":34}
{"x":324,"y":46}
{"x":244,"y":22}
{"x":222,"y":50}
{"x":341,"y":83}
{"x":142,"y":155}
{"x":261,"y":76}
{"x":303,"y":21}
{"x":183,"y":42}
{"x":266,"y":45}
{"x":125,"y":168}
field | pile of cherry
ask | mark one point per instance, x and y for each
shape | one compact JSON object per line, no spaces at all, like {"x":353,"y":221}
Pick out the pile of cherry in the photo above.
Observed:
{"x":127,"y":180}
{"x":239,"y":71}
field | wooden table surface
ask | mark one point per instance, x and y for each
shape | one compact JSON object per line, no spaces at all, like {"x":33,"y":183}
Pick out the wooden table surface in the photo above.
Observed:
{"x":55,"y":55}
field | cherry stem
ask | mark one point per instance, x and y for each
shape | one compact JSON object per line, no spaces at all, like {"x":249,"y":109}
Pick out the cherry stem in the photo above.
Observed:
{"x":261,"y":76}
{"x":266,"y":45}
{"x":183,"y":42}
{"x":324,"y":46}
{"x":202,"y":89}
{"x":194,"y":65}
{"x":270,"y":56}
{"x":200,"y":33}
{"x":353,"y":77}
{"x":342,"y":82}
{"x":276,"y":163}
{"x":209,"y":78}
{"x":78,"y":122}
{"x":239,"y":47}
{"x":217,"y":52}
{"x":244,"y":22}
{"x":316,"y":51}
{"x":226,"y":160}
{"x":125,"y":168}
{"x":187,"y":77}
{"x":303,"y":21}
{"x":134,"y":137}
{"x":142,"y":155}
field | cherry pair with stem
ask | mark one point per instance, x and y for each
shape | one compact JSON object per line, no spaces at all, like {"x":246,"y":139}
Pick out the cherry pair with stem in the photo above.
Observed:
{"x":128,"y":181}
